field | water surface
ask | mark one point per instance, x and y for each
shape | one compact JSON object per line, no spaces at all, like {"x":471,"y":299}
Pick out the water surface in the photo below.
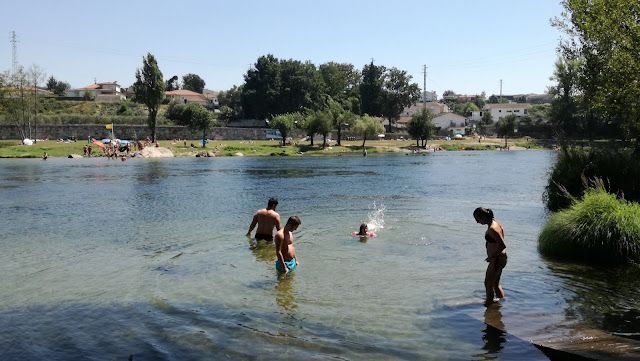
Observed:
{"x":103,"y":259}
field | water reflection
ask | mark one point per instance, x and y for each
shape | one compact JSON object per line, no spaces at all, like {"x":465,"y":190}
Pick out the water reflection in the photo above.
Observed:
{"x":604,"y":297}
{"x":284,"y":292}
{"x":262,"y":250}
{"x":494,"y":334}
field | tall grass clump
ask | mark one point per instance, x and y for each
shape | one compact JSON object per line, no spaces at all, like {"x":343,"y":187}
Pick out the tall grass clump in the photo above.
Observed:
{"x":599,"y":228}
{"x":620,"y":167}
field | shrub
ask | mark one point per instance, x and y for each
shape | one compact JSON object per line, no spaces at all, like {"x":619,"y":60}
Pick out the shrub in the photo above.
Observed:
{"x":599,"y":228}
{"x":619,"y":167}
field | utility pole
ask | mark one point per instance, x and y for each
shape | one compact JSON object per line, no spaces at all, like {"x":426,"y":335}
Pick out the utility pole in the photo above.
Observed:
{"x":424,"y":89}
{"x":500,"y":90}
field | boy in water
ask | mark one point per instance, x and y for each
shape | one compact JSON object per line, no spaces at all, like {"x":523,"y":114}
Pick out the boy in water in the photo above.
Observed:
{"x":285,"y":253}
{"x":266,"y":219}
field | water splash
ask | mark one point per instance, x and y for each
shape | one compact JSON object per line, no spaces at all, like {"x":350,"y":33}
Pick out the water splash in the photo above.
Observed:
{"x":376,"y":217}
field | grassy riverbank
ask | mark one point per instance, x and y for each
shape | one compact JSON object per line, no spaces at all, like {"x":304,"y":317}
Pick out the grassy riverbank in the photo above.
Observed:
{"x":14,"y":148}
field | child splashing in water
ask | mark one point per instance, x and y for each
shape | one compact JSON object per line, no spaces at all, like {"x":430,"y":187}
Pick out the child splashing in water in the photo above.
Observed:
{"x":376,"y":222}
{"x":364,"y":231}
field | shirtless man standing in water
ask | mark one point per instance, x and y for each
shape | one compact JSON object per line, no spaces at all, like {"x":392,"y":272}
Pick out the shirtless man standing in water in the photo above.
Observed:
{"x":285,"y":252}
{"x":266,"y":219}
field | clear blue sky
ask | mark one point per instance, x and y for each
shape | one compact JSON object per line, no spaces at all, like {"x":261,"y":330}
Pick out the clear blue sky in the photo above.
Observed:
{"x":468,"y":46}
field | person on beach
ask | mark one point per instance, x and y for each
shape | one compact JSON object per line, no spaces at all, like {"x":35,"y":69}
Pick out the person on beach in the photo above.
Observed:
{"x":285,"y":253}
{"x":496,"y":254}
{"x":266,"y":219}
{"x":45,"y":156}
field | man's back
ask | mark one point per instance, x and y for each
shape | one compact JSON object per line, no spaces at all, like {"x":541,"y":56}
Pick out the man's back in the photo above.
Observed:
{"x":267,"y":220}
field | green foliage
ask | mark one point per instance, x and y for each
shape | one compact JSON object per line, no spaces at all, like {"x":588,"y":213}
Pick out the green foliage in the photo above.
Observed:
{"x":604,"y":39}
{"x":320,"y":122}
{"x":464,"y":109}
{"x":619,"y":167}
{"x":368,"y":127}
{"x":175,"y":112}
{"x":275,"y":87}
{"x":196,"y":116}
{"x":193,"y":82}
{"x":285,"y":124}
{"x":506,"y":125}
{"x":371,"y":92}
{"x":341,"y":81}
{"x":125,"y":109}
{"x":172,"y":84}
{"x":231,"y":104}
{"x":59,"y":88}
{"x":398,"y":93}
{"x":598,"y":228}
{"x":149,"y":90}
{"x":421,"y":127}
{"x":485,"y":122}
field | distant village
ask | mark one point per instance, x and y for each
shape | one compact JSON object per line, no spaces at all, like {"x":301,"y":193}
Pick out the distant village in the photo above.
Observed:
{"x":446,"y":120}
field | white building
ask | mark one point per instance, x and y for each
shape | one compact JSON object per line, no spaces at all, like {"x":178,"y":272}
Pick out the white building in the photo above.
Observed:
{"x":502,"y":110}
{"x":450,"y":123}
{"x":99,"y":92}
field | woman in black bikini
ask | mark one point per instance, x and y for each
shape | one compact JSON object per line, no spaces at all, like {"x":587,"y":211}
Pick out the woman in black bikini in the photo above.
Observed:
{"x":496,"y":254}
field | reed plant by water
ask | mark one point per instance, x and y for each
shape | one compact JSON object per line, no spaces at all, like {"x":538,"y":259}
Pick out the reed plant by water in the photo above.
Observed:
{"x":598,"y":228}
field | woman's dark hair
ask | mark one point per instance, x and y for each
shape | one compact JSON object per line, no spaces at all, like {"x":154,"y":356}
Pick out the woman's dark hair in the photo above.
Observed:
{"x":362,"y":227}
{"x":483,"y":213}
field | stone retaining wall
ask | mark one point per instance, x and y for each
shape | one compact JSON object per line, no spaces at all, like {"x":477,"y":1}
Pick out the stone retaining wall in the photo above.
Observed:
{"x":81,"y":132}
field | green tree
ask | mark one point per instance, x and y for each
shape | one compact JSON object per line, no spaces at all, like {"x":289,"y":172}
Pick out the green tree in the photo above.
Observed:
{"x":175,"y":112}
{"x":564,"y":106}
{"x":539,"y":113}
{"x":398,"y":93}
{"x":341,"y":81}
{"x":421,"y":127}
{"x":371,"y":89}
{"x":321,"y":121}
{"x":261,"y":89}
{"x":149,"y":90}
{"x":485,"y":122}
{"x":172,"y":84}
{"x":368,"y":127}
{"x":310,"y":125}
{"x":196,"y":116}
{"x":506,"y":126}
{"x":231,"y":104}
{"x":285,"y":123}
{"x":57,"y":87}
{"x":300,"y":87}
{"x":605,"y":37}
{"x":493,"y":99}
{"x":193,"y":82}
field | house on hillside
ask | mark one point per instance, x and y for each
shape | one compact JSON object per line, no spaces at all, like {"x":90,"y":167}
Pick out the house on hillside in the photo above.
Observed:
{"x":502,"y":110}
{"x":186,"y":96}
{"x":407,"y":113}
{"x":450,"y":123}
{"x":212,"y":99}
{"x":106,"y":92}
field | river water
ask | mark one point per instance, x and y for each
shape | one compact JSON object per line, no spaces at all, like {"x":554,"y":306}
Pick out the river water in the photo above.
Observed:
{"x":106,"y":259}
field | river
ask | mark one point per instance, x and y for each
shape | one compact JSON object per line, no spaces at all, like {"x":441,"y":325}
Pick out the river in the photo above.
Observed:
{"x":147,"y":258}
